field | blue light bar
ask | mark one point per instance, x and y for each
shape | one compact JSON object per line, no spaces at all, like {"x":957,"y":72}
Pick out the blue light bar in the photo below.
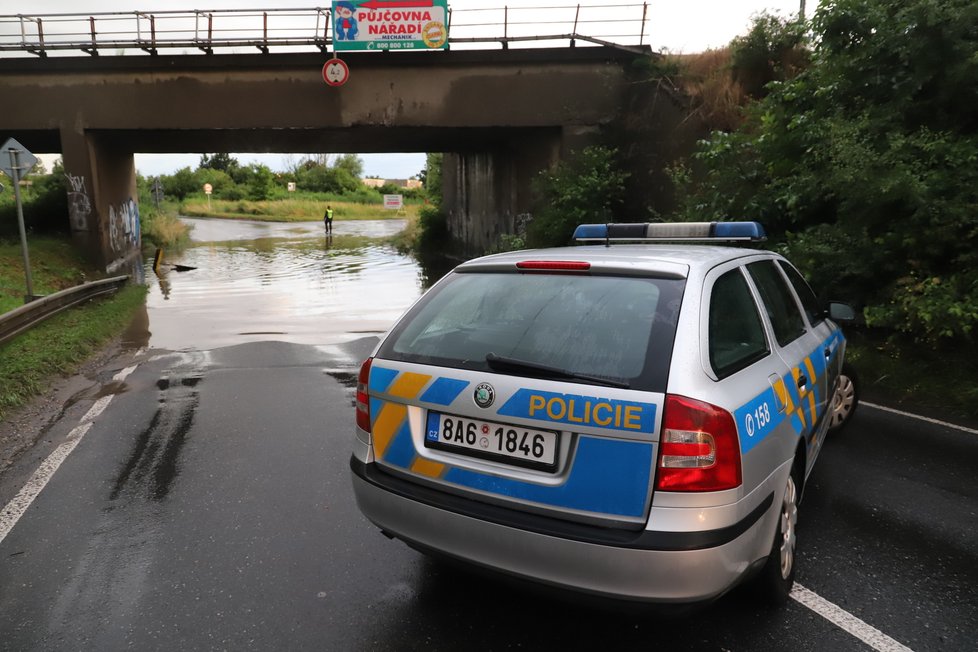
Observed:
{"x":739,"y":231}
{"x":672,"y":232}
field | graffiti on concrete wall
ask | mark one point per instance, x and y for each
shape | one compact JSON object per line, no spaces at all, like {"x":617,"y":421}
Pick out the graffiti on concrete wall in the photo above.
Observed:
{"x":124,"y":226}
{"x":79,"y":205}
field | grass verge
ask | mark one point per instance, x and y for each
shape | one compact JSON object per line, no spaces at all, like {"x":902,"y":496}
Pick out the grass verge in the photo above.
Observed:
{"x":59,"y":345}
{"x":292,"y":210}
{"x":942,"y":384}
{"x":55,"y":265}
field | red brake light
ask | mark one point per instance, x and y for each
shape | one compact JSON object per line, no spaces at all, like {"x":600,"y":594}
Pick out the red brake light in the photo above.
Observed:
{"x":554,"y":265}
{"x":698,"y":450}
{"x":363,"y":398}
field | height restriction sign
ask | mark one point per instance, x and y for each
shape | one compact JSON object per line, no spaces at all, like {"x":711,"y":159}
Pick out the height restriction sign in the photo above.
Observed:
{"x":336,"y":72}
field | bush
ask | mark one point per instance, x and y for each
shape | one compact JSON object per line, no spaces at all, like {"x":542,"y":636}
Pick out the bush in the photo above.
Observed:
{"x":864,"y":165}
{"x":589,"y":188}
{"x":44,"y":202}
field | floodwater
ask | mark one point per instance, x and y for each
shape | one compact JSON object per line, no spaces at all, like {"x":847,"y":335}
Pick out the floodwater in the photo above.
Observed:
{"x":256,"y":281}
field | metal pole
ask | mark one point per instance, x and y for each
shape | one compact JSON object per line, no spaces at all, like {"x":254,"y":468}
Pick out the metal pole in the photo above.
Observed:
{"x":645,"y":13}
{"x":14,"y":163}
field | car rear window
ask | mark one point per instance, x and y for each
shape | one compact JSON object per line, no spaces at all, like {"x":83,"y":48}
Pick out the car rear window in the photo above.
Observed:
{"x":609,"y":327}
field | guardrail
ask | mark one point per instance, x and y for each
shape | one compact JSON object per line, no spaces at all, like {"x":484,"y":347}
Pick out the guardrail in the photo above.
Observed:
{"x":618,"y":25}
{"x":20,"y":319}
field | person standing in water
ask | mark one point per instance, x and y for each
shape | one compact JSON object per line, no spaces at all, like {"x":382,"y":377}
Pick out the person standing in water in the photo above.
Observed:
{"x":328,"y":219}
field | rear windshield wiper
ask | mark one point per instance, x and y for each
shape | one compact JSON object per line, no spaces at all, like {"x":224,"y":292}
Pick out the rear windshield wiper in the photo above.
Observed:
{"x":500,"y":363}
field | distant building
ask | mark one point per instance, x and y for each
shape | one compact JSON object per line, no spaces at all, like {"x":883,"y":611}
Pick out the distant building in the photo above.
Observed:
{"x":407,"y":184}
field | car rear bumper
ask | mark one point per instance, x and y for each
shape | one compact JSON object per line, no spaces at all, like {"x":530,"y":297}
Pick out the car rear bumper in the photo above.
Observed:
{"x":642,"y":566}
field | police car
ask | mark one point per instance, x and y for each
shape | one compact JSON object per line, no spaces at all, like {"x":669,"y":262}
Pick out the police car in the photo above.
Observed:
{"x":633,"y":421}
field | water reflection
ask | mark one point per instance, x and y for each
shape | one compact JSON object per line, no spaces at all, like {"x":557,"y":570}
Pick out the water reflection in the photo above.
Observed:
{"x":290,"y":282}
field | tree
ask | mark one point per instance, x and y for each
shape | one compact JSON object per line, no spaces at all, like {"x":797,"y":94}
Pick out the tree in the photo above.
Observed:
{"x":180,"y":184}
{"x":588,"y":188}
{"x":221,"y":161}
{"x":351,"y":163}
{"x":260,"y":182}
{"x":864,"y":165}
{"x":431,"y":177}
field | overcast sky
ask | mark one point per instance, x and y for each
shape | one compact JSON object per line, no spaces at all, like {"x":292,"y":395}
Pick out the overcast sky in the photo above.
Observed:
{"x":674,"y":25}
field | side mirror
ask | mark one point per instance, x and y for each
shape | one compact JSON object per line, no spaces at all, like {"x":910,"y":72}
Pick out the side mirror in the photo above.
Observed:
{"x":841,"y":312}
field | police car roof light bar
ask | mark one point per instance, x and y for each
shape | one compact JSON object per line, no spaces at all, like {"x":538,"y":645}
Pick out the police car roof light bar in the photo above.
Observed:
{"x":671,"y":232}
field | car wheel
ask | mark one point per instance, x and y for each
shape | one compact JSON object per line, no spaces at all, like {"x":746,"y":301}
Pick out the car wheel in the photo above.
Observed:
{"x":778,"y":575}
{"x":845,"y":399}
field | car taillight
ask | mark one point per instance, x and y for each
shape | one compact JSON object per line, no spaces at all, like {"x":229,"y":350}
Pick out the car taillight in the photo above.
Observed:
{"x":698,"y":449}
{"x":363,"y":398}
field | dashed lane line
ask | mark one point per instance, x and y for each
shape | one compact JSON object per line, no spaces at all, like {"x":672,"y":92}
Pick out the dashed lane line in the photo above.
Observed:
{"x":22,"y":501}
{"x":841,"y":618}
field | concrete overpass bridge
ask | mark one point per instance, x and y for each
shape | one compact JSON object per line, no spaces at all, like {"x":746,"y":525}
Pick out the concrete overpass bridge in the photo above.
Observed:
{"x":500,"y":117}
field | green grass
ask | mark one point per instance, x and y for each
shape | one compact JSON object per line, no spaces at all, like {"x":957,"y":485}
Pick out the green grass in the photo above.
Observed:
{"x":941,"y":383}
{"x":60,"y":345}
{"x":162,"y":228}
{"x":292,"y":210}
{"x":55,"y":265}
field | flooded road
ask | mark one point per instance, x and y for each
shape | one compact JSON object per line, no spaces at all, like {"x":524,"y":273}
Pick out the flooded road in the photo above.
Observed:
{"x":257,"y":281}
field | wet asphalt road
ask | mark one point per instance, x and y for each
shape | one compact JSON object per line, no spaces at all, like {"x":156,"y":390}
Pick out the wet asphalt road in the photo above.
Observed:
{"x":209,"y":507}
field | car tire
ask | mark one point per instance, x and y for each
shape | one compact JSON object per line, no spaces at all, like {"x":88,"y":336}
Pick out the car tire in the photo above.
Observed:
{"x":845,"y":399}
{"x":778,"y":575}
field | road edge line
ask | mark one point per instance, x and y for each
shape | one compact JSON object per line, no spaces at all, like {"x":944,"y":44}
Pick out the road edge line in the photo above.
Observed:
{"x":19,"y":504}
{"x":846,"y":621}
{"x":910,"y":415}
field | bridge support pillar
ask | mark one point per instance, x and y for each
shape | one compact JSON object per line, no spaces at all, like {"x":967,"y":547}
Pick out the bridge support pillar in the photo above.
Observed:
{"x":102,"y":197}
{"x":489,"y":194}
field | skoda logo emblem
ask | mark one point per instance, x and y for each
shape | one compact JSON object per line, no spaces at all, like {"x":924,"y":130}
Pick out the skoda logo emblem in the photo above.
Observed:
{"x":484,"y":395}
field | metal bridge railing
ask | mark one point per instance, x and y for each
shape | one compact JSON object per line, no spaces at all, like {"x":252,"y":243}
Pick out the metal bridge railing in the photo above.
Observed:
{"x":620,"y":25}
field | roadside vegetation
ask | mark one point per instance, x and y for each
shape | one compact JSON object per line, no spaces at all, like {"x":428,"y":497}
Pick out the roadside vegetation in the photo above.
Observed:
{"x":61,"y":344}
{"x":853,"y":139}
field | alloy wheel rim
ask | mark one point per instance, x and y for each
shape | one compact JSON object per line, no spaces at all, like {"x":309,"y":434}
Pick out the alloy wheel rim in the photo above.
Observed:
{"x":842,"y":400}
{"x":789,"y":520}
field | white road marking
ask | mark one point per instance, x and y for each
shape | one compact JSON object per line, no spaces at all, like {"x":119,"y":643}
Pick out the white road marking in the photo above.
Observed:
{"x":920,"y":418}
{"x":16,"y":507}
{"x":22,"y":501}
{"x":846,"y":621}
{"x":97,"y":408}
{"x":122,"y":375}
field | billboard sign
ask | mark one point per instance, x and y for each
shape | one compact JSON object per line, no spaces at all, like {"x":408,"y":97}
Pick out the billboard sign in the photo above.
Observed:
{"x":390,"y":25}
{"x":393,"y":202}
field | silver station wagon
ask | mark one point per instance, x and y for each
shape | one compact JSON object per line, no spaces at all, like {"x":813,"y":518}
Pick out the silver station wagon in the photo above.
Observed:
{"x":634,"y":421}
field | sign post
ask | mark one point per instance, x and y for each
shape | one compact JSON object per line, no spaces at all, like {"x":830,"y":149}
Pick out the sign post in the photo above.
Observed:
{"x":18,"y":163}
{"x":208,"y":189}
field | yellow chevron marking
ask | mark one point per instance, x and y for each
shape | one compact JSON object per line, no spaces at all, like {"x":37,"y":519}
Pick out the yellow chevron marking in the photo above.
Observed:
{"x":782,"y":393}
{"x":427,"y":467}
{"x":801,"y":417}
{"x":408,"y":385}
{"x":796,"y":374}
{"x":811,"y":372}
{"x":388,"y":422}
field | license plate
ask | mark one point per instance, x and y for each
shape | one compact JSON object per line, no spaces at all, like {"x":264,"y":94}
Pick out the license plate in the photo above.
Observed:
{"x":535,"y":449}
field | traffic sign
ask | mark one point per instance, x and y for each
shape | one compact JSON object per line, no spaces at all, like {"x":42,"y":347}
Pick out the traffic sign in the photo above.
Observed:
{"x":25,"y":160}
{"x":336,"y":72}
